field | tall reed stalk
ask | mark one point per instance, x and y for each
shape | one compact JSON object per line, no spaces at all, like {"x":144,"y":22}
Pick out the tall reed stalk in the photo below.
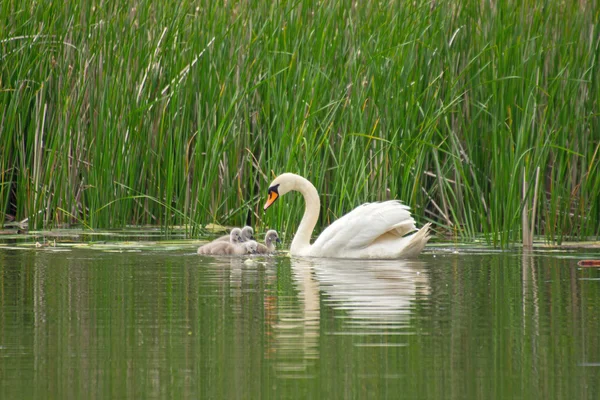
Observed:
{"x":132,"y":112}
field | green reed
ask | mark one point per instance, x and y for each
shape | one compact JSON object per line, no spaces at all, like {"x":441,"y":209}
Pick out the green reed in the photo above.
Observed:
{"x":135,"y":112}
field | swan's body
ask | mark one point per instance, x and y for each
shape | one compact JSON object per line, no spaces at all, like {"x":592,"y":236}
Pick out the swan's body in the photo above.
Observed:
{"x":372,"y":230}
{"x":224,"y":248}
{"x":245,"y":234}
{"x":270,"y":238}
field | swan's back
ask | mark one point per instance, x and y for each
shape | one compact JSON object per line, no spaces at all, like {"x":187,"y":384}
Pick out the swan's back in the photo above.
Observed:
{"x":372,"y":230}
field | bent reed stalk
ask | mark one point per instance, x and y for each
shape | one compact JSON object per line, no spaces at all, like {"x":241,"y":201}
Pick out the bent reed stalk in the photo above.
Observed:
{"x":121,"y":113}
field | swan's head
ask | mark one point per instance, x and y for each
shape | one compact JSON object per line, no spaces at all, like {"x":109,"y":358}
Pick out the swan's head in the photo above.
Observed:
{"x":271,"y":237}
{"x":236,"y":236}
{"x":247,"y":233}
{"x":280,"y":186}
{"x":251,"y":247}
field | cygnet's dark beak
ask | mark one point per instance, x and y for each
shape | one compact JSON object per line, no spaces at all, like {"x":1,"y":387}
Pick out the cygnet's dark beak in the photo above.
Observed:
{"x":278,"y":240}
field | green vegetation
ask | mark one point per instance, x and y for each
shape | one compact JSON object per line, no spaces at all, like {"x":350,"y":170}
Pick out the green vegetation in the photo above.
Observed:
{"x":170,"y":113}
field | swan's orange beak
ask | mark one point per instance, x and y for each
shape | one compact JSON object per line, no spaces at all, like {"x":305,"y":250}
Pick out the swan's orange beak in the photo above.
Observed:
{"x":272,"y":197}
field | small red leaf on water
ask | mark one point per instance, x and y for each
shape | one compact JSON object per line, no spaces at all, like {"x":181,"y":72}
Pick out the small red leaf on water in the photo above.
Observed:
{"x":589,"y":263}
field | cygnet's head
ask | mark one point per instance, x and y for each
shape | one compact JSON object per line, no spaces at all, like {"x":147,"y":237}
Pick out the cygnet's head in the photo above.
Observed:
{"x":251,"y":246}
{"x":235,"y":236}
{"x":247,"y":233}
{"x":271,"y":237}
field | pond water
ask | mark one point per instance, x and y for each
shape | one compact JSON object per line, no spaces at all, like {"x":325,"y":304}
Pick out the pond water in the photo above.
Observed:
{"x":86,"y":323}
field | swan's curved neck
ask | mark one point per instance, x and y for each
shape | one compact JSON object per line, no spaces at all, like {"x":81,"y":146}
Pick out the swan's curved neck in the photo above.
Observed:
{"x":310,"y":217}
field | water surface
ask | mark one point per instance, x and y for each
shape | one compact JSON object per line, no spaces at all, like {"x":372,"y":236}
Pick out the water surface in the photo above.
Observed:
{"x":86,"y":323}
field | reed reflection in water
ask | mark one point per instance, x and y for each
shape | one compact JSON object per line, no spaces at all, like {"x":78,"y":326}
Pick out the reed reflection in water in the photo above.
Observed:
{"x":90,"y":324}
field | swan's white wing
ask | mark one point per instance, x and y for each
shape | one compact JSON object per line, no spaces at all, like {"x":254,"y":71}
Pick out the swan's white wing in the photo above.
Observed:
{"x":363,"y":226}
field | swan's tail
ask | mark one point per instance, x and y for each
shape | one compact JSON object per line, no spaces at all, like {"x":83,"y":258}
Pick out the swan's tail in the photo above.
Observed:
{"x":417,"y":242}
{"x":404,"y":227}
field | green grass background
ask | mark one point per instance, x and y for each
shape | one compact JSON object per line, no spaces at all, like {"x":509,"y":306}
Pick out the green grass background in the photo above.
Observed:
{"x":182,"y":112}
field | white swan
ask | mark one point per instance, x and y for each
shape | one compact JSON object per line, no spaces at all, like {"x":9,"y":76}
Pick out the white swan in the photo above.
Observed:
{"x":372,"y":230}
{"x":270,"y":238}
{"x":245,"y":234}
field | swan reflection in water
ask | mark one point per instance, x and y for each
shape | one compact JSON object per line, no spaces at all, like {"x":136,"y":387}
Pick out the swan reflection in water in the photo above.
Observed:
{"x":373,"y":293}
{"x":296,"y":331}
{"x":376,"y":297}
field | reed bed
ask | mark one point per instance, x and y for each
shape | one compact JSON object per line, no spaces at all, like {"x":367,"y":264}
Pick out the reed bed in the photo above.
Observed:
{"x":181,"y":113}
